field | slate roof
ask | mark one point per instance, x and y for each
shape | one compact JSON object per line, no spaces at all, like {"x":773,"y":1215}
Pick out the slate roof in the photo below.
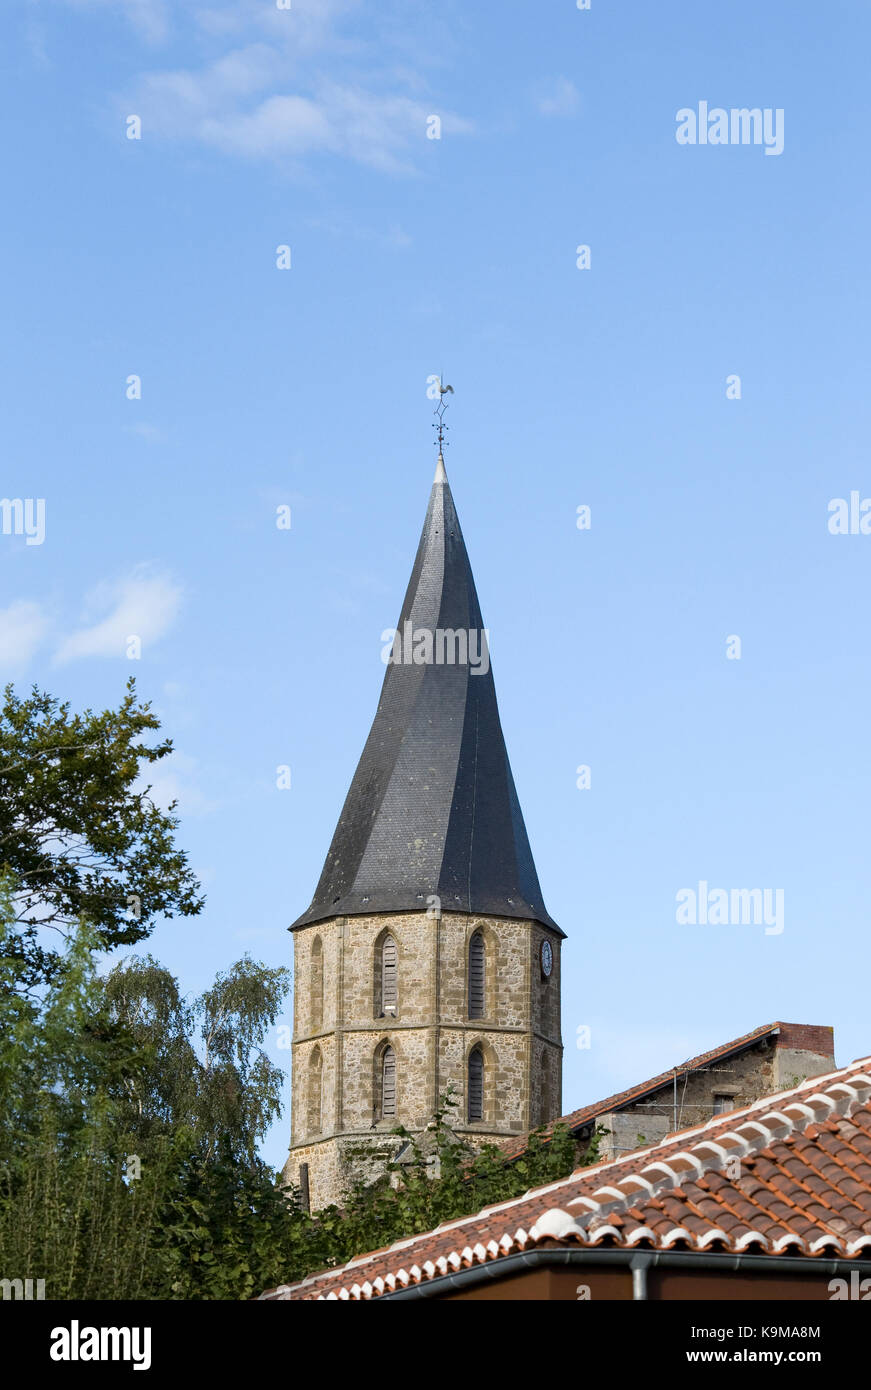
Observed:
{"x":810,"y":1037}
{"x":432,"y":809}
{"x":788,"y":1175}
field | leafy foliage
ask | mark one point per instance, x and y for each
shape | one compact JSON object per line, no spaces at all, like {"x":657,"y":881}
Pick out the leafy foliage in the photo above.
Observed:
{"x":129,"y":1124}
{"x":438,"y":1179}
{"x":79,"y":833}
{"x":65,"y":1212}
{"x":130,"y":1116}
{"x":227,"y":1093}
{"x":128,"y":1163}
{"x":225,"y":1230}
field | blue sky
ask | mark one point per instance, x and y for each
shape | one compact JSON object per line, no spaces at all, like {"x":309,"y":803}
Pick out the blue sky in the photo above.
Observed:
{"x":604,"y":387}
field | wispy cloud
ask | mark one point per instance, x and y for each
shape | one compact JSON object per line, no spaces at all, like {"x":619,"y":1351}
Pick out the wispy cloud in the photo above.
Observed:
{"x":144,"y":605}
{"x":229,"y":107}
{"x":23,"y":626}
{"x":561,"y":98}
{"x":175,"y":781}
{"x":152,"y":434}
{"x":150,"y":18}
{"x":307,"y":26}
{"x":267,"y":97}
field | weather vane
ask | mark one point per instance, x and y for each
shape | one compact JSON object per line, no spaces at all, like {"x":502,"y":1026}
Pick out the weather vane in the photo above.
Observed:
{"x":440,"y":413}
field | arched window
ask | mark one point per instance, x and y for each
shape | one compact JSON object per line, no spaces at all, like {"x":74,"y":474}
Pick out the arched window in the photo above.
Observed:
{"x":545,"y":1103}
{"x":386,"y":982}
{"x":388,"y":975}
{"x":385,"y":1083}
{"x":316,"y":986}
{"x":476,"y":976}
{"x":315,"y":1092}
{"x":475,"y":1106}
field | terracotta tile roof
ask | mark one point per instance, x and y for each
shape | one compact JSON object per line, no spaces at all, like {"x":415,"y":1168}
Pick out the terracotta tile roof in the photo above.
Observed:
{"x":809,"y":1037}
{"x":789,"y":1174}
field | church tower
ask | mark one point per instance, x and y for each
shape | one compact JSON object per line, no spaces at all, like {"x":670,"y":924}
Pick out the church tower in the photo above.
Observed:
{"x":427,"y":956}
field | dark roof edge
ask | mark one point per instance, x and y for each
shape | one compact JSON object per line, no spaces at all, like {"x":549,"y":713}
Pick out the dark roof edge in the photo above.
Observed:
{"x":309,"y":921}
{"x":704,"y":1059}
{"x":590,"y":1114}
{"x":657,"y":1083}
{"x":725,"y":1262}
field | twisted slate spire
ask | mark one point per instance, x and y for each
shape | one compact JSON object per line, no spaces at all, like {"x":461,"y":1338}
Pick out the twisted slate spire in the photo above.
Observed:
{"x":432,"y":811}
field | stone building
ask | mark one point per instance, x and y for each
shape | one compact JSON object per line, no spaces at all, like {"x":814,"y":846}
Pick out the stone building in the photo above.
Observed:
{"x":427,"y":957}
{"x":768,"y":1201}
{"x":774,"y":1057}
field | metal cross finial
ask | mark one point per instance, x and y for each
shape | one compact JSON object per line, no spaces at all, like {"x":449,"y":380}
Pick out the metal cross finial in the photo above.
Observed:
{"x":440,"y":412}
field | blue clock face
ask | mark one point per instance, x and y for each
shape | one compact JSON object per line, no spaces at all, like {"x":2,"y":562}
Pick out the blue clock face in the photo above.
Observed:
{"x":546,"y":958}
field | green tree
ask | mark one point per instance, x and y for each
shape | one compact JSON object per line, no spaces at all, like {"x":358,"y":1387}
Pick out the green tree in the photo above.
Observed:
{"x":66,"y":1215}
{"x":129,"y":1121}
{"x":207,"y":1094}
{"x":79,"y":834}
{"x":440,"y":1177}
{"x":129,"y":1124}
{"x":207,"y":1072}
{"x":227,"y":1230}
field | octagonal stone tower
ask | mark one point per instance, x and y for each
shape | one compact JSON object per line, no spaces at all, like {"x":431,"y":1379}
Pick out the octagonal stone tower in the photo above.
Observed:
{"x":427,"y":956}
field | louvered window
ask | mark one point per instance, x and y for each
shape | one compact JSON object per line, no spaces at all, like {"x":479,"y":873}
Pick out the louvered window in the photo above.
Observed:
{"x":317,"y":985}
{"x":476,"y":1085}
{"x":304,"y":1189}
{"x":388,"y":976}
{"x":388,"y":1084}
{"x":545,"y":1114}
{"x":315,"y":1092}
{"x":476,"y":976}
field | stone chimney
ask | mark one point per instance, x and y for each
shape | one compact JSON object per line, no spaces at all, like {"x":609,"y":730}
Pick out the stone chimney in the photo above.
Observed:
{"x":800,"y":1050}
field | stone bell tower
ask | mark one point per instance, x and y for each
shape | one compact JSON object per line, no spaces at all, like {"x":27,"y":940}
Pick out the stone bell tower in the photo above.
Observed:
{"x":427,"y":956}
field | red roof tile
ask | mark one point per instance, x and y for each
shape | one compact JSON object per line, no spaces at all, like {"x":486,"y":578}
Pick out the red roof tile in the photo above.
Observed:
{"x":802,"y":1186}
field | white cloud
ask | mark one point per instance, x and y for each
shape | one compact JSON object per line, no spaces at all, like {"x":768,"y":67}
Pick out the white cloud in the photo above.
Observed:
{"x":173,"y":780}
{"x":289,"y":125}
{"x":35,"y":37}
{"x":23,"y":626}
{"x":265,"y":98}
{"x":144,"y":605}
{"x":151,"y":433}
{"x":562,"y":99}
{"x":150,"y":18}
{"x":309,"y":25}
{"x":229,"y":106}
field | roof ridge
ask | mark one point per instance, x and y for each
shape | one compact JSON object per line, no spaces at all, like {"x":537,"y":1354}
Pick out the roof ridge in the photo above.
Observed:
{"x":718,"y":1120}
{"x":745,"y":1144}
{"x":557,"y":1222}
{"x":582,"y":1114}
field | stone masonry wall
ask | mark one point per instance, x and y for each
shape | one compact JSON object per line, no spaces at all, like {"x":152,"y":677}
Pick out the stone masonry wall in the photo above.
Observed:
{"x":774,"y":1063}
{"x":431,"y":1034}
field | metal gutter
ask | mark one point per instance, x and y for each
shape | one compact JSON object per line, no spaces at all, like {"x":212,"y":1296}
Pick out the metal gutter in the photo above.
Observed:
{"x":637,"y":1261}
